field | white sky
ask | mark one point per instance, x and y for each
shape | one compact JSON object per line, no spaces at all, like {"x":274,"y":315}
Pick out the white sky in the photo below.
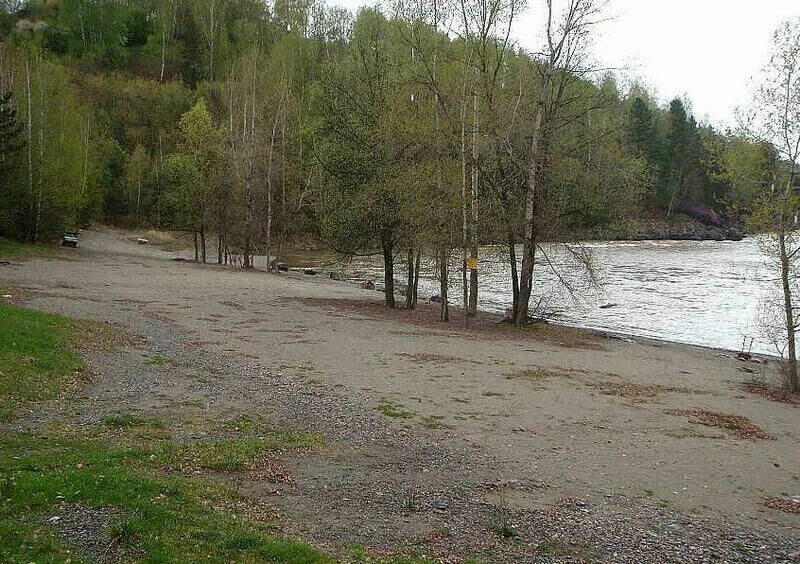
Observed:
{"x":707,"y":50}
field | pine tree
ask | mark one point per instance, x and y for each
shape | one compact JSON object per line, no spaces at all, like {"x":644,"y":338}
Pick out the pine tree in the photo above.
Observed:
{"x":12,"y":193}
{"x":11,"y":140}
{"x":641,"y":134}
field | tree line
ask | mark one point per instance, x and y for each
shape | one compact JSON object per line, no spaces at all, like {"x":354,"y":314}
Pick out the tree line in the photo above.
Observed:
{"x":419,"y":129}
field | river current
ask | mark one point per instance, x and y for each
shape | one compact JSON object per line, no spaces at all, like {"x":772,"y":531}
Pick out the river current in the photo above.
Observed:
{"x":697,"y":292}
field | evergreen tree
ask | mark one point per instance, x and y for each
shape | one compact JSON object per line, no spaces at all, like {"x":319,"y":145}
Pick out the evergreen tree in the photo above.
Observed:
{"x":641,"y":132}
{"x":12,"y":191}
{"x":11,"y":139}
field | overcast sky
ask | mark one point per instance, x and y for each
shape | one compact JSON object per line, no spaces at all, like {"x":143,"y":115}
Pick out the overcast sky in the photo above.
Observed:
{"x":707,"y":50}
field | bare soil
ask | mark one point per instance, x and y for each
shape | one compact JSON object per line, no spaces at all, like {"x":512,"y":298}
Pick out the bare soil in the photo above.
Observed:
{"x":552,"y":445}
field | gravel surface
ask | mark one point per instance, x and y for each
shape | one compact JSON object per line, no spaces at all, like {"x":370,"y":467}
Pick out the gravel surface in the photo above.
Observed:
{"x":390,"y":487}
{"x":388,"y":484}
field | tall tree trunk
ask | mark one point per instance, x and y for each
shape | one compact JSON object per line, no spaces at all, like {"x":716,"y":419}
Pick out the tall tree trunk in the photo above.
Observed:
{"x":792,"y":375}
{"x":413,"y":264}
{"x":203,"y":240}
{"x":85,"y":178}
{"x":158,"y":178}
{"x":388,"y":269}
{"x":270,"y":161}
{"x":34,"y":228}
{"x":416,"y":277}
{"x":196,"y":248}
{"x":248,"y":228}
{"x":40,"y":180}
{"x":535,"y":167}
{"x":464,"y":204}
{"x":163,"y":50}
{"x":512,"y":257}
{"x":138,"y":198}
{"x":793,"y":383}
{"x":444,"y":266}
{"x":444,"y":285}
{"x":410,"y":280}
{"x":472,"y":308}
{"x":212,"y":39}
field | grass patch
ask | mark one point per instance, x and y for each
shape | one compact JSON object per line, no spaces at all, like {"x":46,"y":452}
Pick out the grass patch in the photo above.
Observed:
{"x":560,"y":549}
{"x":358,"y":553}
{"x":243,"y":424}
{"x":36,"y":362}
{"x":128,"y":420}
{"x":231,"y":455}
{"x":38,"y":358}
{"x":14,"y":250}
{"x":395,"y":411}
{"x":116,"y":470}
{"x":166,"y":518}
{"x":218,"y":455}
{"x":276,"y":438}
{"x":552,"y":547}
{"x":504,"y":530}
{"x":435,"y":422}
{"x":157,"y":360}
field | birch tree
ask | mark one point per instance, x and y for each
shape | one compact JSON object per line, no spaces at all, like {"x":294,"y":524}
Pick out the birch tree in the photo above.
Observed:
{"x":486,"y":27}
{"x":776,"y":119}
{"x":208,"y":16}
{"x":562,"y":62}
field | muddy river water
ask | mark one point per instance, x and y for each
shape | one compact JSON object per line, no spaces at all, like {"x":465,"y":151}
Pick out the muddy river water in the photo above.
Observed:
{"x":698,"y":292}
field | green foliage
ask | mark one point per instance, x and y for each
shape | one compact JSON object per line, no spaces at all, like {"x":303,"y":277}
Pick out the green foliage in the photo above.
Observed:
{"x":357,"y":122}
{"x":11,"y":138}
{"x":641,"y":130}
{"x":194,"y":170}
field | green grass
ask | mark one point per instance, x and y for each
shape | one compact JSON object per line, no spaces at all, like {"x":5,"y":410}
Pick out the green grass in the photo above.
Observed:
{"x":163,"y":517}
{"x":357,"y":553}
{"x":553,"y":547}
{"x":14,"y":250}
{"x":125,"y":464}
{"x":395,"y":411}
{"x":157,"y":360}
{"x":503,"y":530}
{"x":229,"y":455}
{"x":125,"y":420}
{"x":35,"y":360}
{"x":435,"y":422}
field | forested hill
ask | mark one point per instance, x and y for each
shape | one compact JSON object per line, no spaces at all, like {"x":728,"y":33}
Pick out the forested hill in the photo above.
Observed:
{"x":266,"y":124}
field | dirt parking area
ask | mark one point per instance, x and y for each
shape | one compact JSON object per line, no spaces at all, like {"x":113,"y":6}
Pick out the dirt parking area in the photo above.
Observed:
{"x":439,"y":440}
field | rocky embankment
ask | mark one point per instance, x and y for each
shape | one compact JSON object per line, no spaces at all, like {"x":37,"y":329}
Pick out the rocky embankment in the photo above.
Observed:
{"x":691,"y":233}
{"x":677,"y":228}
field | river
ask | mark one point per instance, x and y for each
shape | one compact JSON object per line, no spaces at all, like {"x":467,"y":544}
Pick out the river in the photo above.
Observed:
{"x":703,"y":293}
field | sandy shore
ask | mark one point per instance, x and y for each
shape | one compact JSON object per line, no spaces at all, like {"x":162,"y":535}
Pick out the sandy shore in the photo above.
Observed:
{"x":584,"y":416}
